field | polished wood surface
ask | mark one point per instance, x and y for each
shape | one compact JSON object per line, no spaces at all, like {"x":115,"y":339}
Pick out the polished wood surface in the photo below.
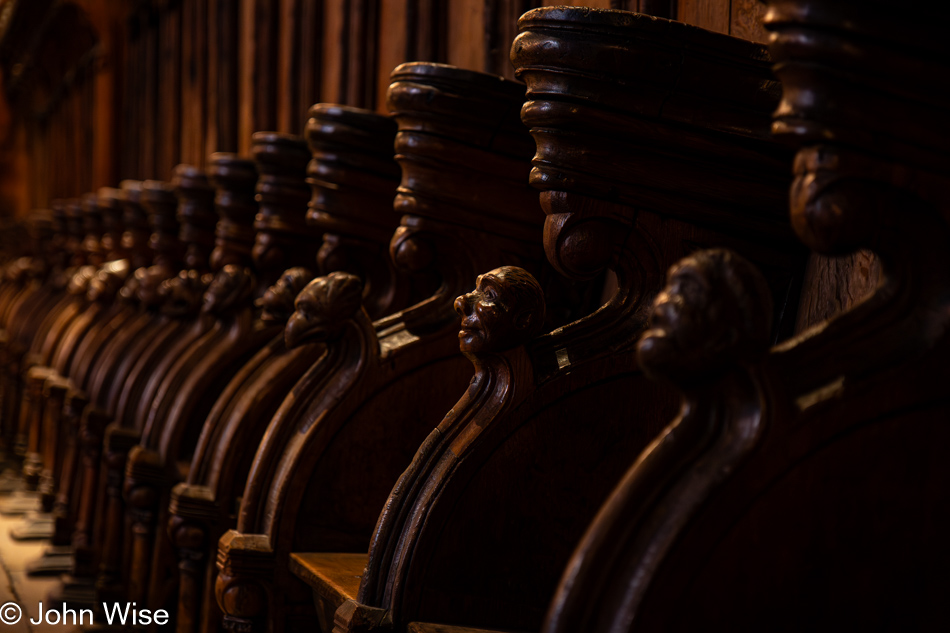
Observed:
{"x":246,"y":378}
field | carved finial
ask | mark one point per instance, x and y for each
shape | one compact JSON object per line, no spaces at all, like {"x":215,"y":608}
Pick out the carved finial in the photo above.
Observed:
{"x":323,"y":308}
{"x":354,"y":178}
{"x":135,"y":240}
{"x":715,"y":312}
{"x":505,"y":310}
{"x":231,"y":287}
{"x":72,"y":209}
{"x":92,"y":230}
{"x":161,"y":204}
{"x":109,"y":201}
{"x":235,"y":178}
{"x":284,"y":239}
{"x":278,"y":301}
{"x":196,"y":214}
{"x":353,"y":175}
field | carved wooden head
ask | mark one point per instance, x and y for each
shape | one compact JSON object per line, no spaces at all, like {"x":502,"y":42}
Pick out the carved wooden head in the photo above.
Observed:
{"x":278,"y":300}
{"x":323,"y":308}
{"x":505,"y":310}
{"x":231,"y":288}
{"x":108,"y":281}
{"x":182,"y":295}
{"x":715,"y":311}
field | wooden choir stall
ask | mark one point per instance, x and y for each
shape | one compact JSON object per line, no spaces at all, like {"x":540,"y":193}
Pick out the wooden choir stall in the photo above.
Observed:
{"x":473,"y":316}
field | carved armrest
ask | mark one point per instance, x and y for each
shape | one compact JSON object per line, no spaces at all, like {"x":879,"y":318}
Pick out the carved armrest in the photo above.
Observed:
{"x":335,"y":580}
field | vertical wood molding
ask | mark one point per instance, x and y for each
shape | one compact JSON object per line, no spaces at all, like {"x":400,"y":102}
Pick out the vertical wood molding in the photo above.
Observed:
{"x":288,"y":64}
{"x":168,"y":148}
{"x":334,"y":51}
{"x":107,"y":100}
{"x":130,"y":165}
{"x":265,"y":74}
{"x":194,"y":76}
{"x":247,"y":54}
{"x":428,"y":22}
{"x":223,"y":85}
{"x":310,"y":69}
{"x":149,"y":68}
{"x":362,"y":57}
{"x":394,"y":39}
{"x":466,"y":34}
{"x":210,"y":123}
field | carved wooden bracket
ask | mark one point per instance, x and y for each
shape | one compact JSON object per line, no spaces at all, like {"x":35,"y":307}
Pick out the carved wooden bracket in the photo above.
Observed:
{"x":234,"y":179}
{"x":74,"y":226}
{"x":652,"y":139}
{"x":92,"y":228}
{"x":284,"y":239}
{"x":161,"y":203}
{"x":457,"y":127}
{"x":109,"y":202}
{"x":135,"y":220}
{"x":353,"y":179}
{"x":196,"y":215}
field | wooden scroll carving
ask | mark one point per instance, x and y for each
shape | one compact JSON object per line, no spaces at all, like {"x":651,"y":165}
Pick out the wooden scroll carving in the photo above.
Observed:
{"x":804,"y":481}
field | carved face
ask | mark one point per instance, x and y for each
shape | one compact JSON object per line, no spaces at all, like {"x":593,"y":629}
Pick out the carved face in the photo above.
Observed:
{"x":230,"y":287}
{"x":182,"y":295}
{"x":505,"y":310}
{"x":278,"y":301}
{"x":323,"y":308}
{"x":714,"y":310}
